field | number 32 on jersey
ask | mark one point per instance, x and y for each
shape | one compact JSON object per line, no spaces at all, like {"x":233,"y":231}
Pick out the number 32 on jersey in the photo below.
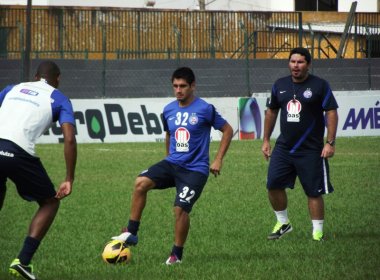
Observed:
{"x":182,"y":134}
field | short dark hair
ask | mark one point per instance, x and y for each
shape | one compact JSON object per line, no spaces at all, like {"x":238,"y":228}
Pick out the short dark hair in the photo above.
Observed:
{"x":184,"y":73}
{"x":302,"y":51}
{"x":48,"y":70}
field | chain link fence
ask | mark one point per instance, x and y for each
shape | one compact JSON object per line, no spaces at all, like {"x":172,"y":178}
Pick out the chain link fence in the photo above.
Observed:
{"x":75,"y":33}
{"x":131,"y":53}
{"x":214,"y":77}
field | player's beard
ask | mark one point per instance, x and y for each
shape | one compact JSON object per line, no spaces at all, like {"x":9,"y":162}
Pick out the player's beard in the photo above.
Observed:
{"x":299,"y":75}
{"x":185,"y":99}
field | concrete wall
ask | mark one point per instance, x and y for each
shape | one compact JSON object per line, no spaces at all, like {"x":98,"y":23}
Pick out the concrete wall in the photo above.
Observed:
{"x":215,"y":78}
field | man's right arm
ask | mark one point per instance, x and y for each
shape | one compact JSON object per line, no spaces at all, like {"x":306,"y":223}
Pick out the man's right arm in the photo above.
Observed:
{"x":167,"y":142}
{"x":269,"y":123}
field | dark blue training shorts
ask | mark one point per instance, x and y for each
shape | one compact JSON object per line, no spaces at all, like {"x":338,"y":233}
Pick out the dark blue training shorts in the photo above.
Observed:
{"x":311,"y":169}
{"x":26,"y":171}
{"x":189,"y":184}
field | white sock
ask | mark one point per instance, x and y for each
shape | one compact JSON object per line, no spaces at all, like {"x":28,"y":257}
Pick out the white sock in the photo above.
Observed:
{"x":317,"y":225}
{"x":282,"y":216}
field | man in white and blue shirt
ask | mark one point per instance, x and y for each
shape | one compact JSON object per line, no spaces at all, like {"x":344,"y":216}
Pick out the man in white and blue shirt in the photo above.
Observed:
{"x":27,"y":110}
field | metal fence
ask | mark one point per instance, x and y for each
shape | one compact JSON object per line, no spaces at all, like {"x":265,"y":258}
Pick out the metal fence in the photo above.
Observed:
{"x":143,"y":34}
{"x":75,"y":33}
{"x":139,"y":78}
{"x":131,"y":53}
{"x":368,"y":26}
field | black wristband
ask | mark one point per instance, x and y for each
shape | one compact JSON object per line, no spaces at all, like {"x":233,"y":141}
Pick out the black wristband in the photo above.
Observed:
{"x":331,"y":142}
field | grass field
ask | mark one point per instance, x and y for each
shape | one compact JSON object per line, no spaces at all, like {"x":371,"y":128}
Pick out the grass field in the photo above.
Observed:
{"x":229,"y":223}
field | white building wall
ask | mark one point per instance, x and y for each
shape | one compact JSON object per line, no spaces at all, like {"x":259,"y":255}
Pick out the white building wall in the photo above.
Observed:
{"x":228,"y":5}
{"x":364,"y":6}
{"x":252,"y":5}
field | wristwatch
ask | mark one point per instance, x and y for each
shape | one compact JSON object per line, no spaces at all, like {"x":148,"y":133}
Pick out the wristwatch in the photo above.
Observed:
{"x":331,"y":142}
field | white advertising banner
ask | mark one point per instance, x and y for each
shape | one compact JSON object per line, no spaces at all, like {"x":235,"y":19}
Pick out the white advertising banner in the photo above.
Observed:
{"x":359,"y":113}
{"x":139,"y":119}
{"x":128,"y":120}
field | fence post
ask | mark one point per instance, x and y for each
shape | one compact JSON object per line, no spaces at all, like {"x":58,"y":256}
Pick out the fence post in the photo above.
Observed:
{"x":212,"y":47}
{"x":312,"y":40}
{"x":246,"y":51}
{"x":104,"y":49}
{"x":178,"y":49}
{"x":254,"y":44}
{"x":139,"y":34}
{"x":355,"y":35}
{"x":369,"y":42}
{"x":21,"y":28}
{"x":369,"y":51}
{"x":61,"y":33}
{"x":300,"y":29}
{"x":28,"y":42}
{"x":369,"y":74}
{"x":346,"y":31}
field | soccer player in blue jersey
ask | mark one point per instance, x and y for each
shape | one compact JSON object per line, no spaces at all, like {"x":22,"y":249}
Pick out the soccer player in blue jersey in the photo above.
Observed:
{"x":26,"y":111}
{"x":187,"y":121}
{"x":306,"y":105}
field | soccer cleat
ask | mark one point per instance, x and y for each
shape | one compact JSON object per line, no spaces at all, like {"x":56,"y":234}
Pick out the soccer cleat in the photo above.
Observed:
{"x":18,"y":269}
{"x":279,"y":230}
{"x":127,"y":237}
{"x":318,"y":236}
{"x":172,"y":260}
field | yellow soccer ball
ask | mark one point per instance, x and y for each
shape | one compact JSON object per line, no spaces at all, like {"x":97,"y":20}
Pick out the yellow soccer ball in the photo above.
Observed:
{"x":115,"y":252}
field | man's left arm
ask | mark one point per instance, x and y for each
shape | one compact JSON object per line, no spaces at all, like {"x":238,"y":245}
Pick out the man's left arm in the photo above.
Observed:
{"x":70,"y":154}
{"x":216,"y":166}
{"x":332,"y":124}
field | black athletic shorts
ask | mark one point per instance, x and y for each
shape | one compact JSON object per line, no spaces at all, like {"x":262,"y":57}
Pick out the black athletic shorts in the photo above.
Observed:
{"x":311,"y":169}
{"x":26,"y":171}
{"x":189,"y":184}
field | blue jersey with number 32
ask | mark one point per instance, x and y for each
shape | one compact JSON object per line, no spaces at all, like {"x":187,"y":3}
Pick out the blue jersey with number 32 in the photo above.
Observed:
{"x":189,"y":128}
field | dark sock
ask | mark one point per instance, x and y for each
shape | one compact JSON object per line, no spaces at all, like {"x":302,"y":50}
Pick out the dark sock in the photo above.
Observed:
{"x":133,"y":226}
{"x":177,"y":251}
{"x":30,"y":247}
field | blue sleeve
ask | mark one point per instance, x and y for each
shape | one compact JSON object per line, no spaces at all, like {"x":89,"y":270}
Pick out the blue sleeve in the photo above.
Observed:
{"x":272,"y":101}
{"x":217,"y":120}
{"x":62,"y":109}
{"x":4,"y":92}
{"x":164,"y":122}
{"x":329,"y":101}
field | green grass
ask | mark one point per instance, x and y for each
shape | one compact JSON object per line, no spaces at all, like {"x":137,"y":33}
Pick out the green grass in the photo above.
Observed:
{"x":229,"y":223}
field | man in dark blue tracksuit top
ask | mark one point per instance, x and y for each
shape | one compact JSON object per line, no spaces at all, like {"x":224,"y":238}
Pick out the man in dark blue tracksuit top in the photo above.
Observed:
{"x":306,"y":105}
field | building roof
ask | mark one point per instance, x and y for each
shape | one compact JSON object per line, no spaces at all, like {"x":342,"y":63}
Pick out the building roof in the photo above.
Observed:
{"x":329,"y":28}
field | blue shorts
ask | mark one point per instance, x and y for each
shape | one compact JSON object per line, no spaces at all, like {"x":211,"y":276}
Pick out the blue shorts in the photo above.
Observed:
{"x":189,"y":184}
{"x":311,"y":169}
{"x":27,"y":172}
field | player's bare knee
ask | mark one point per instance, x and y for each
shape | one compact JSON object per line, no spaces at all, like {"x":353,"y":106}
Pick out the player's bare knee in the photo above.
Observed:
{"x":52,"y":203}
{"x":55,"y":204}
{"x":180,"y":213}
{"x":143,"y":184}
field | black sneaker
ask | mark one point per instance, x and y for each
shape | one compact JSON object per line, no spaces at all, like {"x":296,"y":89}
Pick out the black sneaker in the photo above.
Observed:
{"x":18,"y":269}
{"x":279,"y":230}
